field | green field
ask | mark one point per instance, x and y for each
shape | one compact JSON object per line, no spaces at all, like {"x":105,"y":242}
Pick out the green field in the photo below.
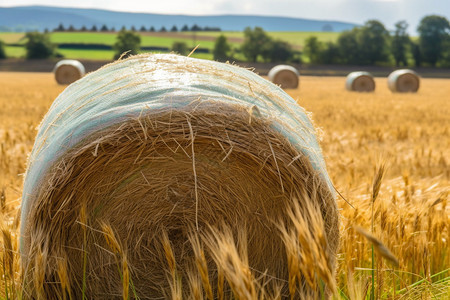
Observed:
{"x":110,"y":39}
{"x":12,"y":37}
{"x":203,"y":39}
{"x":15,"y":51}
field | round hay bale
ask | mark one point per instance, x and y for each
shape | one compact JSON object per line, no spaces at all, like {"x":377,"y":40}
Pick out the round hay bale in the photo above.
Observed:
{"x":404,"y":81}
{"x":135,"y":157}
{"x":360,"y":82}
{"x":285,"y":76}
{"x":68,"y":71}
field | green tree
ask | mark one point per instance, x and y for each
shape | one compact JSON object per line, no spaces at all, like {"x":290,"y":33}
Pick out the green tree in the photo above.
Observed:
{"x":277,"y":51}
{"x":221,"y":48}
{"x":195,"y":27}
{"x":348,"y":47}
{"x":104,"y":28}
{"x":445,"y":60}
{"x":38,"y":45}
{"x":180,"y":48}
{"x":329,"y":53}
{"x":59,"y":28}
{"x":174,"y":28}
{"x":400,"y":42}
{"x":433,"y":32}
{"x":254,"y":42}
{"x":127,"y":41}
{"x":417,"y":55}
{"x":2,"y":50}
{"x":321,"y":53}
{"x":313,"y":49}
{"x":373,"y":42}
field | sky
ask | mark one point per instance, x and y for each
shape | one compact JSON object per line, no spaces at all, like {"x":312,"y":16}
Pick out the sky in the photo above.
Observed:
{"x":355,"y":11}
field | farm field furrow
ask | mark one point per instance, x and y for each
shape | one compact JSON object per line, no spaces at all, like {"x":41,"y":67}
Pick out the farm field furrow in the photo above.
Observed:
{"x":409,"y":133}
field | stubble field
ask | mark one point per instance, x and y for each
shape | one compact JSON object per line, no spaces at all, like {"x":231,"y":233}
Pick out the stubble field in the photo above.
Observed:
{"x":407,"y":133}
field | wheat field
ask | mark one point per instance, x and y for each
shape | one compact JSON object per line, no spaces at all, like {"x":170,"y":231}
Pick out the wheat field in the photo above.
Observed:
{"x":398,"y":144}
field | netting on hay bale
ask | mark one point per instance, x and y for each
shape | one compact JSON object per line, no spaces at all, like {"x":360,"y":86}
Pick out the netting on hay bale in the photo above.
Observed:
{"x":136,"y":158}
{"x":68,"y":71}
{"x":285,"y":76}
{"x":404,"y":81}
{"x":360,"y":82}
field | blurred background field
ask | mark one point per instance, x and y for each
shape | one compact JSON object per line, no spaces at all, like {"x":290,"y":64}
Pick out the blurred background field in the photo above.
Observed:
{"x":70,"y":43}
{"x":408,"y":132}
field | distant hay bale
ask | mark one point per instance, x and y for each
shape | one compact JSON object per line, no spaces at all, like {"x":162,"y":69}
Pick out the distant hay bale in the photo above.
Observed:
{"x":138,"y":156}
{"x":285,"y":76}
{"x":360,"y":82}
{"x":68,"y":71}
{"x":404,"y":81}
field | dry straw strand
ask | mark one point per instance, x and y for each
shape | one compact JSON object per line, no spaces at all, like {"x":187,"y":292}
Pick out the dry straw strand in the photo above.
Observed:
{"x":379,"y":247}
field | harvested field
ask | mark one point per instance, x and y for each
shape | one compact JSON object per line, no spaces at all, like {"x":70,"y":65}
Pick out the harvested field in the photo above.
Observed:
{"x":408,"y":132}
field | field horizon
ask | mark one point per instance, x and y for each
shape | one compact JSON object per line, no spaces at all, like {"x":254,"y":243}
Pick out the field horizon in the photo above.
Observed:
{"x":98,"y":45}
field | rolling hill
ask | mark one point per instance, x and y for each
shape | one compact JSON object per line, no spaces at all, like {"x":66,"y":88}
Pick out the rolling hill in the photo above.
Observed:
{"x":26,"y":18}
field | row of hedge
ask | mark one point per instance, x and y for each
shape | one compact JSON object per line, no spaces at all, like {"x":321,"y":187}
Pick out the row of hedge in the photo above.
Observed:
{"x":82,"y":46}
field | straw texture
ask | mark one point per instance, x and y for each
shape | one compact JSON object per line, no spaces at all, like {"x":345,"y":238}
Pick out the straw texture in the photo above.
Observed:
{"x":404,"y":81}
{"x":68,"y":71}
{"x":285,"y":76}
{"x":134,"y":158}
{"x":360,"y":82}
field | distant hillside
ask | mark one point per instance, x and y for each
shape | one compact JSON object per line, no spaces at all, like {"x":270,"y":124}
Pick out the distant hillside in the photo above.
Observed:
{"x":27,"y":18}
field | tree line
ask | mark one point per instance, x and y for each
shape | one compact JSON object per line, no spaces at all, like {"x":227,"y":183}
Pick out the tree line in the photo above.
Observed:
{"x":255,"y":40}
{"x":370,"y":44}
{"x":39,"y":46}
{"x":373,"y":44}
{"x":105,"y":28}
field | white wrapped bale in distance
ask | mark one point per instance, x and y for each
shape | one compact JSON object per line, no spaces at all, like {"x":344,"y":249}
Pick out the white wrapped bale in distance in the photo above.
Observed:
{"x":360,"y":82}
{"x":404,"y":81}
{"x":68,"y":71}
{"x":136,"y":158}
{"x":285,"y":76}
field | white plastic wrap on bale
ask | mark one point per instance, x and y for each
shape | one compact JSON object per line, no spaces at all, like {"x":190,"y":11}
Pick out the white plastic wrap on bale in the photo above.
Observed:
{"x":404,"y":81}
{"x":149,"y":83}
{"x":284,"y":76}
{"x":68,"y":71}
{"x":360,"y":82}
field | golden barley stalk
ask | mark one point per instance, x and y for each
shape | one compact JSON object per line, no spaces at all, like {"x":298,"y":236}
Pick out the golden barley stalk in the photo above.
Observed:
{"x":125,"y":278}
{"x":379,"y":247}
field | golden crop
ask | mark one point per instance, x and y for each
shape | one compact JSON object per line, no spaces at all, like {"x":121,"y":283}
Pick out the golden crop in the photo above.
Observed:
{"x":406,"y":133}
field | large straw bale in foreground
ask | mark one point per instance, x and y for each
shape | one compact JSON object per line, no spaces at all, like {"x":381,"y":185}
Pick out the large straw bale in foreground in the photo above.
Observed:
{"x":404,"y":81}
{"x":285,"y":76}
{"x":134,"y":158}
{"x":68,"y":71}
{"x":360,"y":82}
